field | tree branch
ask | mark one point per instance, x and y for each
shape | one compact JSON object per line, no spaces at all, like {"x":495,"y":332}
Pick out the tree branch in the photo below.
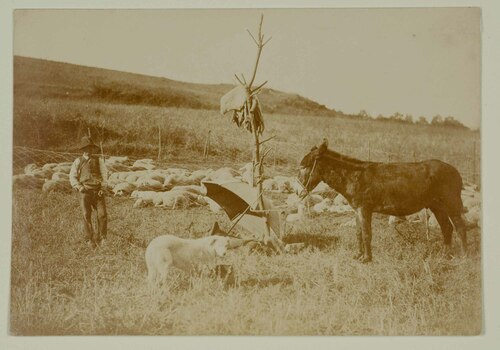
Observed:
{"x":258,"y":88}
{"x":259,"y":51}
{"x":266,"y":152}
{"x":254,"y":40}
{"x":239,"y":80}
{"x":268,"y":40}
{"x":269,"y":139}
{"x":243,"y":78}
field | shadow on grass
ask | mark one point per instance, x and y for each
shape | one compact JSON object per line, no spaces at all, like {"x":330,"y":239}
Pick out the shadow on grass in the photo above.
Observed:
{"x":312,"y":240}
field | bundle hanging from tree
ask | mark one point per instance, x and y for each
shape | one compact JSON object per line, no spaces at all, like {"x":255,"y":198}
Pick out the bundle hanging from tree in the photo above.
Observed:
{"x":244,"y":106}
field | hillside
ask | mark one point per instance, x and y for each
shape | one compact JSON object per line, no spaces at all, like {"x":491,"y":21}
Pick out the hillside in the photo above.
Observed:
{"x":42,"y":78}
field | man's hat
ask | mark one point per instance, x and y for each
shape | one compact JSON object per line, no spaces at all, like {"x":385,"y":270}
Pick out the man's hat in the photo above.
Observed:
{"x":87,"y":143}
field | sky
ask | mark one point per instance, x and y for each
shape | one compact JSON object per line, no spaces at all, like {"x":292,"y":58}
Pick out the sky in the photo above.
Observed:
{"x":422,"y":62}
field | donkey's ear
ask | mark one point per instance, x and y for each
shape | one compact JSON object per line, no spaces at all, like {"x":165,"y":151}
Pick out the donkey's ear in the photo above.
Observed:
{"x":323,"y":146}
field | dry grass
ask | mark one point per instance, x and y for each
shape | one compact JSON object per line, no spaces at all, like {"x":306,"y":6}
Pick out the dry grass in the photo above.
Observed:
{"x":133,"y":130}
{"x":59,"y":286}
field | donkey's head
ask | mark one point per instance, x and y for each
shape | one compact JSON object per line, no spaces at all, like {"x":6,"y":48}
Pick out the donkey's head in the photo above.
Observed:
{"x":310,"y":172}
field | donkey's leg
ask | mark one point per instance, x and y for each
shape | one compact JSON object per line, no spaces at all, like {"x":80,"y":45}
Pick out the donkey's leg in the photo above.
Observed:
{"x":365,"y":218}
{"x":461,"y":230}
{"x":361,"y":248}
{"x":446,"y":227}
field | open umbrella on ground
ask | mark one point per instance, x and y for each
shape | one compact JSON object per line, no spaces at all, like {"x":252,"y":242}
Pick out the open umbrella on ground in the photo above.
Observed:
{"x":240,"y":202}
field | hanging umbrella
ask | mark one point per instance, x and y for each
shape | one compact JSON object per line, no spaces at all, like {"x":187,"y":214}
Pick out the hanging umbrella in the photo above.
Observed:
{"x":240,"y":202}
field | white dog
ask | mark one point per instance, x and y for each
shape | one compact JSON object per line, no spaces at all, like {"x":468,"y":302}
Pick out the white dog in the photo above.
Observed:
{"x":166,"y":251}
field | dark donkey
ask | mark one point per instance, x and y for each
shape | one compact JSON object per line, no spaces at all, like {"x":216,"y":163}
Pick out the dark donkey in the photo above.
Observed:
{"x":388,"y":188}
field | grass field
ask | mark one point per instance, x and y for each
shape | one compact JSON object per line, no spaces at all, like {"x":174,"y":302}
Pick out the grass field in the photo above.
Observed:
{"x":61,"y":286}
{"x":132,"y":130}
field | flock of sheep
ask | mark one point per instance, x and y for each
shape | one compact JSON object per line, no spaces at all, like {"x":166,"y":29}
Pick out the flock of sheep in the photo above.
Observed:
{"x":177,"y":188}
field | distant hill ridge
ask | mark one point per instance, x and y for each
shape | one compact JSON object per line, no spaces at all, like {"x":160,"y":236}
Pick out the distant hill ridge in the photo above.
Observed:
{"x":44,"y":78}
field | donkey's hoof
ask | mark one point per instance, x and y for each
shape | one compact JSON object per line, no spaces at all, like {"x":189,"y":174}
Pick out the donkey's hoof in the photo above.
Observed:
{"x":357,"y":256}
{"x":365,"y":259}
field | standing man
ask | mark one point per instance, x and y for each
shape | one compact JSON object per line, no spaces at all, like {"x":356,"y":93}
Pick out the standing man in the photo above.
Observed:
{"x":88,"y":176}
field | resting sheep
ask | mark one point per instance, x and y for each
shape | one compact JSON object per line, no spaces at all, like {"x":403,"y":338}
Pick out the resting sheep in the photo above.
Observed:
{"x":143,"y":164}
{"x":170,"y":199}
{"x":56,"y":186}
{"x":167,"y":251}
{"x":123,"y":189}
{"x":177,"y":180}
{"x":148,"y":184}
{"x":222,"y":175}
{"x":269,"y":185}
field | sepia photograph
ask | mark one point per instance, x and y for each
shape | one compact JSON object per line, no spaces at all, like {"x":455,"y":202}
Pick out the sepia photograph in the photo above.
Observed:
{"x":247,"y":172}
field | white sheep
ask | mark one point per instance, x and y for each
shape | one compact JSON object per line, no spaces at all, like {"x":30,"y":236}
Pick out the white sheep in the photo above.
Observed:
{"x":147,"y":184}
{"x":178,"y":171}
{"x":154,"y":175}
{"x":296,"y":186}
{"x":293,"y":200}
{"x":177,"y":199}
{"x":60,"y":176}
{"x":321,"y":187}
{"x":323,"y":206}
{"x":283,"y":183}
{"x":146,"y":198}
{"x":246,"y":173}
{"x":49,"y":166}
{"x":146,"y":195}
{"x":56,"y":186}
{"x":473,"y":216}
{"x":28,"y":169}
{"x":198,"y":190}
{"x":340,"y":200}
{"x":62,"y":168}
{"x":122,"y":176}
{"x":167,"y":251}
{"x":471,"y":201}
{"x":198,"y":175}
{"x":169,"y":199}
{"x":117,"y":167}
{"x":142,"y":164}
{"x":116,"y":160}
{"x":339,"y":209}
{"x":222,"y":175}
{"x":132,"y":177}
{"x":269,"y":185}
{"x":395,"y":219}
{"x":177,"y":180}
{"x":141,"y":203}
{"x":123,"y":189}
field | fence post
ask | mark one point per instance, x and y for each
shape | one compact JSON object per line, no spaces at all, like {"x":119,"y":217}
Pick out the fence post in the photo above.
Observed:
{"x":206,"y":150}
{"x":159,"y":141}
